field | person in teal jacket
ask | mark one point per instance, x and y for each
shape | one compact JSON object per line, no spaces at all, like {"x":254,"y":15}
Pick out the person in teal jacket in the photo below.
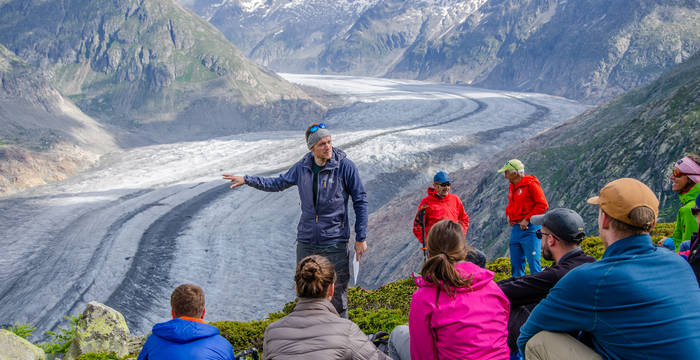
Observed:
{"x":622,"y":306}
{"x":685,"y":179}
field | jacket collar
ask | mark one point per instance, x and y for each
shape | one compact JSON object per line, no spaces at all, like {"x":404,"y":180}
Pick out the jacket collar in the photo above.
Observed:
{"x":630,"y":245}
{"x":571,"y":254}
{"x":315,"y":304}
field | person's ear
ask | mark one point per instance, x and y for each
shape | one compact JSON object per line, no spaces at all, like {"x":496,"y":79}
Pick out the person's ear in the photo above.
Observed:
{"x":604,"y":220}
{"x":173,"y":314}
{"x":331,"y":290}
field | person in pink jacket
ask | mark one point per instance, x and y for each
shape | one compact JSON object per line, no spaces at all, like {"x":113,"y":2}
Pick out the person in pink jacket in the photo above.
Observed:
{"x":458,"y":311}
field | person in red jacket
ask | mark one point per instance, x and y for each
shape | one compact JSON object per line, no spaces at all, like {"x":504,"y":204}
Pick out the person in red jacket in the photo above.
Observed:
{"x":525,"y":200}
{"x":439,"y":205}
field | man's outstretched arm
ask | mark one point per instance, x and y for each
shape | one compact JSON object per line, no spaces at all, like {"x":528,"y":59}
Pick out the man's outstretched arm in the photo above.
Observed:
{"x":279,"y":183}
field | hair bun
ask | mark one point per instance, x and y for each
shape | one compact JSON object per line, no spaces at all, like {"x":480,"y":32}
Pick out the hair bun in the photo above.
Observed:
{"x":309,"y":271}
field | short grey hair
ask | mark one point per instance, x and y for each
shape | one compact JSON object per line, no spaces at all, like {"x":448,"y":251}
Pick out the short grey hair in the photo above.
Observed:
{"x":520,"y":172}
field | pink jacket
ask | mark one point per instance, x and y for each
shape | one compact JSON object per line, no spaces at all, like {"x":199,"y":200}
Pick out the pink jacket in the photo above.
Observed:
{"x":472,"y":325}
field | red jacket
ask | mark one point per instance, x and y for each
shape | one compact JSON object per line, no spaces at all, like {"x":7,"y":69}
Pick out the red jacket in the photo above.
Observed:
{"x":525,"y":199}
{"x":436,"y":209}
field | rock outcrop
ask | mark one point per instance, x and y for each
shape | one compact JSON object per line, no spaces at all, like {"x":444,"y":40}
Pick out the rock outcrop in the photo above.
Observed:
{"x":13,"y":347}
{"x":101,"y":329}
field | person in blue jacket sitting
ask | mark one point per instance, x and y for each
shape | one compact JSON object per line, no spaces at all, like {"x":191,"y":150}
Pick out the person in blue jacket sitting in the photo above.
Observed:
{"x":186,"y":336}
{"x":622,"y":306}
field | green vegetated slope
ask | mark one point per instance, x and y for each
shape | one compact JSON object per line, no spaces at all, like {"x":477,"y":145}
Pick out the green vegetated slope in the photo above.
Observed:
{"x":586,"y":50}
{"x":145,"y":63}
{"x":639,"y":134}
{"x":43,"y":136}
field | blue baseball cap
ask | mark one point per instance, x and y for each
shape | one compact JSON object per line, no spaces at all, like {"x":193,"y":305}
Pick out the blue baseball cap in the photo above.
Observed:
{"x":441,"y":177}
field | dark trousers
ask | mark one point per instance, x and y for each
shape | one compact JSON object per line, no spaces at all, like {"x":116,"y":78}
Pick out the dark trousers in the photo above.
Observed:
{"x":518,"y":317}
{"x":338,"y":255}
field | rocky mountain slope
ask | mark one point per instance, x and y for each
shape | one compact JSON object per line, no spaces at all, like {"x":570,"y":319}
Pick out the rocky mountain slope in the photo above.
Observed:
{"x":639,"y":134}
{"x":152,"y":67}
{"x":281,"y":34}
{"x":588,"y":50}
{"x":387,"y":30}
{"x":43,"y":136}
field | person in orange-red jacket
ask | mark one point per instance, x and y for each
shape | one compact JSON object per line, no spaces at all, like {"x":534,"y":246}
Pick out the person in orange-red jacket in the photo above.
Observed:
{"x":525,"y":200}
{"x":438,"y":205}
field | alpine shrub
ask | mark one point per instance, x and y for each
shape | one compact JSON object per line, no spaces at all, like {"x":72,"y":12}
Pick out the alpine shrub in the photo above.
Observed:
{"x":371,"y":322}
{"x":22,"y":330}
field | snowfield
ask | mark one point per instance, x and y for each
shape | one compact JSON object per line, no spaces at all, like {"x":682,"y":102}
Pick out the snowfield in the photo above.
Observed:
{"x":145,"y":220}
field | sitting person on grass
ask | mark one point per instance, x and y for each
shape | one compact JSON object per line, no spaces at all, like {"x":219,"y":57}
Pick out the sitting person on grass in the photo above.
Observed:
{"x":561,"y":234}
{"x":623,"y":306}
{"x":314,"y":330}
{"x":457,"y":312}
{"x":186,"y":336}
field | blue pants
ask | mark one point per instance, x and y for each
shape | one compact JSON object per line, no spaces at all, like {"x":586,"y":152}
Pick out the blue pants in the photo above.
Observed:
{"x":524,"y":245}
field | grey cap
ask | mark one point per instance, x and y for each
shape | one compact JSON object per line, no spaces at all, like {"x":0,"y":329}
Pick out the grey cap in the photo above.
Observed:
{"x":316,"y":136}
{"x":566,"y":224}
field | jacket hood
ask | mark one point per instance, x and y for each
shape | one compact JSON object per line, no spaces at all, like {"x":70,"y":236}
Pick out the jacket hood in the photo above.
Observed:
{"x":183,"y":331}
{"x":480,"y":277}
{"x":432,"y":192}
{"x":527,"y":180}
{"x":337,"y":156}
{"x":690,"y":195}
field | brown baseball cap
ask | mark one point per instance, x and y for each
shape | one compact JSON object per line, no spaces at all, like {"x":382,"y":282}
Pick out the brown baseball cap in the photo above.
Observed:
{"x":619,"y":197}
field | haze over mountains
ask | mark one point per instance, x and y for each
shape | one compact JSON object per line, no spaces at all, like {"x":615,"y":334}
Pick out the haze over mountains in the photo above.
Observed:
{"x":587,"y":50}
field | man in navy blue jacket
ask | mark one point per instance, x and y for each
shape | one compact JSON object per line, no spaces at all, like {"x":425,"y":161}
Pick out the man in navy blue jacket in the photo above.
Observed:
{"x":623,"y":306}
{"x":326,"y":179}
{"x":186,"y":336}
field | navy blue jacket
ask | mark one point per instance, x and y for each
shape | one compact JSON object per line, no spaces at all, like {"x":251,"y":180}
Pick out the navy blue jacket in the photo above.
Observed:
{"x":327,"y":222}
{"x":180,"y":339}
{"x":628,"y":303}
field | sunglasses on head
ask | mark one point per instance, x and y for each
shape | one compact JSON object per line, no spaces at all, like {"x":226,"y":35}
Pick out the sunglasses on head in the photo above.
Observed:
{"x":315,"y":128}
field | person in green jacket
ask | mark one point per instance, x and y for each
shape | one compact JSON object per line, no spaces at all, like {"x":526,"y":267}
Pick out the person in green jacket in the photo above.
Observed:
{"x":685,"y":179}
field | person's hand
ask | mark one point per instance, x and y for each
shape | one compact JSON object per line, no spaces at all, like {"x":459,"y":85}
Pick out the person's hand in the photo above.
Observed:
{"x":510,"y":223}
{"x":360,"y":248}
{"x":235,"y":179}
{"x":663,"y":239}
{"x":524,"y":224}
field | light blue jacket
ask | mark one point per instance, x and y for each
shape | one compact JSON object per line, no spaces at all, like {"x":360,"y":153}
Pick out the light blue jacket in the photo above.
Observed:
{"x":326,"y":223}
{"x":638,"y":302}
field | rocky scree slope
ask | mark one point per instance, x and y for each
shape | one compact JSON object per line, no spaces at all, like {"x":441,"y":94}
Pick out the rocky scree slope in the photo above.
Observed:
{"x":586,"y":50}
{"x":639,"y":134}
{"x":43,"y":136}
{"x":152,"y":67}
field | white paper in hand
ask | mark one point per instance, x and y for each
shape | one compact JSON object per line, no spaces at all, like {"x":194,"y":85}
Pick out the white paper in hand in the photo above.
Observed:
{"x":355,"y":267}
